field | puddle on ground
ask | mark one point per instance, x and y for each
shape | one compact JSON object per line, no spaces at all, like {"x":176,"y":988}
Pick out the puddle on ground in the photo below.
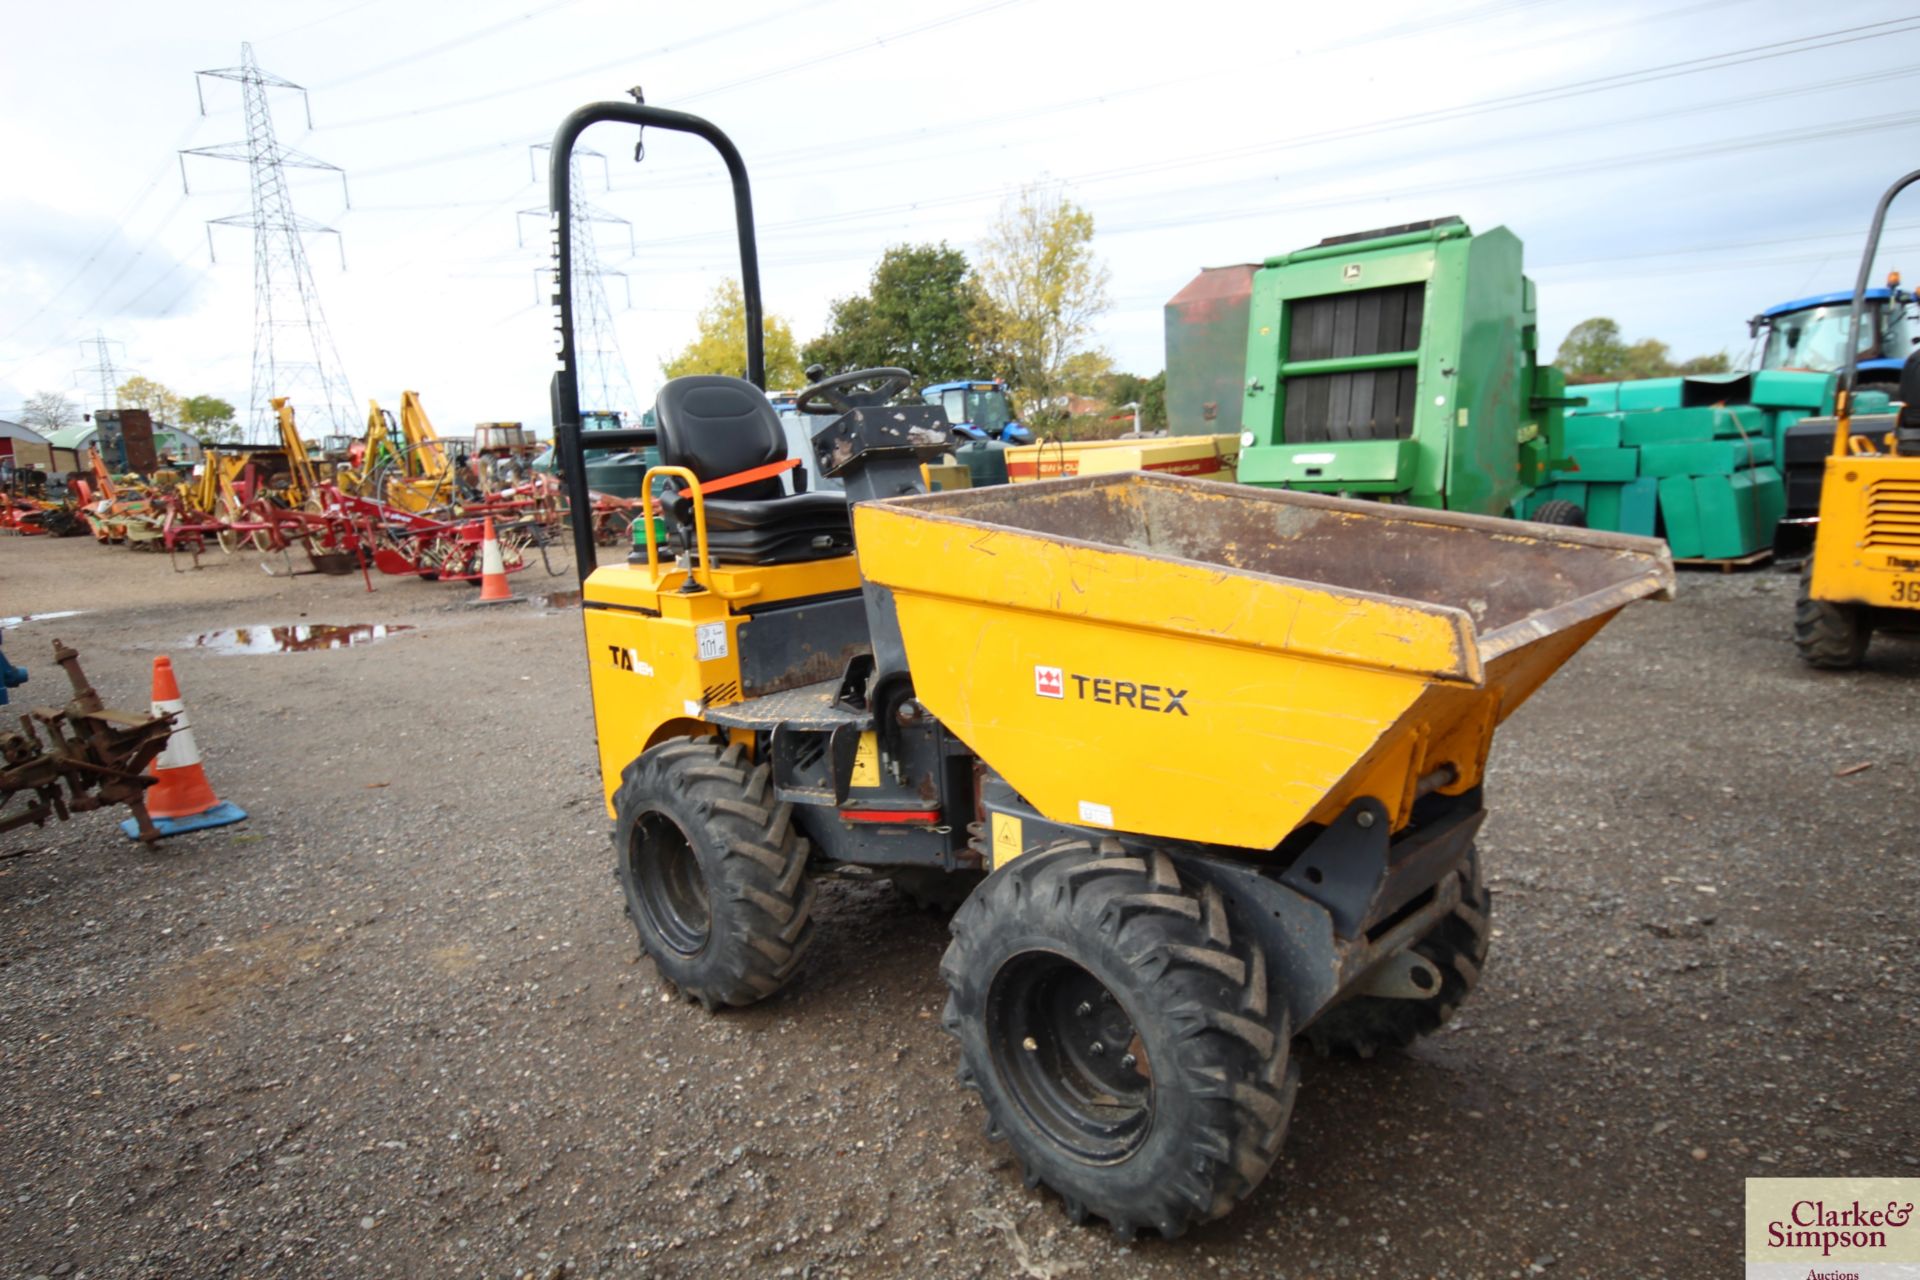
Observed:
{"x":296,"y":639}
{"x":8,"y":624}
{"x":556,"y":600}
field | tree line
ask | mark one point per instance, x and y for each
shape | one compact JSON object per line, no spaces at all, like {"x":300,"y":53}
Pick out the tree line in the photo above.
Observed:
{"x":207,"y":418}
{"x":1596,"y":351}
{"x":1023,"y":311}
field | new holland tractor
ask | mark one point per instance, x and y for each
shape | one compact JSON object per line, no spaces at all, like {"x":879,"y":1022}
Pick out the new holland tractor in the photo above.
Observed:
{"x":1202,"y":763}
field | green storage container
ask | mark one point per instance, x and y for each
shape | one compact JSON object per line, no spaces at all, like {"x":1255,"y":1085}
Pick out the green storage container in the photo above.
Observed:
{"x":1611,"y":466}
{"x":1668,"y":426}
{"x":986,"y":462}
{"x":1652,"y":393}
{"x":1742,"y":421}
{"x":1603,"y":506}
{"x":1602,"y":397}
{"x":1598,"y":432}
{"x":1680,"y":515}
{"x":1704,"y":457}
{"x":1640,"y":507}
{"x":1785,"y":389}
{"x":1726,"y":523}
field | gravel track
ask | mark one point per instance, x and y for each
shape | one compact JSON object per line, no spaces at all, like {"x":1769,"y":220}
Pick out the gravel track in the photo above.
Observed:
{"x":396,"y":1024}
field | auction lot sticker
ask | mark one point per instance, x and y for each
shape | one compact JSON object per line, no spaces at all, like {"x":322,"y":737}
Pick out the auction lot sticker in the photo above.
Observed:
{"x":1833,"y":1229}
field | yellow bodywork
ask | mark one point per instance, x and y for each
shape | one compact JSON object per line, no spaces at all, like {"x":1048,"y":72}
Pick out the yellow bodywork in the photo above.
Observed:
{"x":1867,"y":550}
{"x":1216,"y":663}
{"x":1215,"y":457}
{"x":1154,"y":654}
{"x":658,"y":657}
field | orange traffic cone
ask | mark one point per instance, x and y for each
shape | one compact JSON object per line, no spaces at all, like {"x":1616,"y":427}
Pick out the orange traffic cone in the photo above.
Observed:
{"x":493,"y":570}
{"x":182,"y":799}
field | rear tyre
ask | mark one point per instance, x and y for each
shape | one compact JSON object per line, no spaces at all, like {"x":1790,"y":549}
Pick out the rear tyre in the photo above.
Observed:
{"x":1119,"y":1036}
{"x":1457,"y":947}
{"x":1831,"y":636}
{"x":714,"y":876}
{"x":1561,"y":512}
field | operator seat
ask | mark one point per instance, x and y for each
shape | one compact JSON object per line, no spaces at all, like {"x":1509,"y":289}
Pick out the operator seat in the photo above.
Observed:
{"x":718,"y":427}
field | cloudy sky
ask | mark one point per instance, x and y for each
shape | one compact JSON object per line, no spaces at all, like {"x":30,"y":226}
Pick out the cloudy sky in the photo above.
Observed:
{"x":1677,"y":165}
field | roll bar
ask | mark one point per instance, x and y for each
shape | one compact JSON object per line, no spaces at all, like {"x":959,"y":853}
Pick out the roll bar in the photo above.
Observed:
{"x":570,"y":442}
{"x":1843,"y":409}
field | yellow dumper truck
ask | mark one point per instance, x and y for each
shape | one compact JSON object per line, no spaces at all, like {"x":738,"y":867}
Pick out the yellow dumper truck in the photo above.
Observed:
{"x":1201,"y":763}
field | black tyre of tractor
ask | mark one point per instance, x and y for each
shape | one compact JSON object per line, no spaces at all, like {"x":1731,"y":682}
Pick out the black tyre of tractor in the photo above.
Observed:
{"x":1833,"y":637}
{"x":1457,"y":947}
{"x":1119,"y":1036}
{"x":714,"y":876}
{"x":1559,"y":511}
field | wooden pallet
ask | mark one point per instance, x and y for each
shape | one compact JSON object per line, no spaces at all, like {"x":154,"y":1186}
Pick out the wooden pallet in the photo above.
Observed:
{"x":1735,"y":565}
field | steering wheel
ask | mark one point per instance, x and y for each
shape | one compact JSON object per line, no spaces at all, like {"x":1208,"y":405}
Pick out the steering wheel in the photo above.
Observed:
{"x":826,"y":396}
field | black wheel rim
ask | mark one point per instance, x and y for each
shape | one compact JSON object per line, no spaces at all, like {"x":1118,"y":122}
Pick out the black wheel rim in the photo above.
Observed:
{"x":673,"y":891}
{"x":1070,"y":1056}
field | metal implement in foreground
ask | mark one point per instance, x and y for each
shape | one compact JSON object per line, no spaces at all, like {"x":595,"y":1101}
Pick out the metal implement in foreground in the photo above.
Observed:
{"x":1864,"y":572}
{"x":91,"y":757}
{"x":1201,"y":763}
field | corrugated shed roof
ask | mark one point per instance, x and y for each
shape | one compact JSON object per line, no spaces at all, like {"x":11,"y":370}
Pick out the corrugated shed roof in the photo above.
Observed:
{"x":19,"y":431}
{"x":71,"y":437}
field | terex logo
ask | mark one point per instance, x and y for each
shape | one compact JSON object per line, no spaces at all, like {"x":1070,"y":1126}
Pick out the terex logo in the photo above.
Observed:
{"x":1050,"y":682}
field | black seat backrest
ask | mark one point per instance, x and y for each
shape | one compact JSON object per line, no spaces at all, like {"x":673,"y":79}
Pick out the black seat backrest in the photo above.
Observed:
{"x":716,"y":426}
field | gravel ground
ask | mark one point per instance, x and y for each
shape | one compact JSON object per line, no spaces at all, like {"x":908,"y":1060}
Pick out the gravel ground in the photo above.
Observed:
{"x":396,"y":1024}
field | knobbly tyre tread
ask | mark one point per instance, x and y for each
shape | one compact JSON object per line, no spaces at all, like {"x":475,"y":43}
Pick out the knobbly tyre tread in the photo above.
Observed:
{"x":753,"y":863}
{"x":1221,"y":1055}
{"x":1457,"y":946}
{"x":1568,"y":515}
{"x":1833,"y":637}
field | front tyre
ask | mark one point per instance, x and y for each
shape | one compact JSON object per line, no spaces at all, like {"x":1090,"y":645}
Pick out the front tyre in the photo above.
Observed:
{"x":1833,"y":637}
{"x":1119,"y":1036}
{"x":714,"y":876}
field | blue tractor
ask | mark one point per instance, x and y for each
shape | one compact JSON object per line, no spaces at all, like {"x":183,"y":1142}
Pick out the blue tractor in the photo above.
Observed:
{"x":1811,"y":334}
{"x":979,"y":410}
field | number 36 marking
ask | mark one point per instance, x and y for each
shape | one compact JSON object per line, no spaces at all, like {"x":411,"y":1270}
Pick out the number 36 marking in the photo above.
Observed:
{"x":1906,"y":590}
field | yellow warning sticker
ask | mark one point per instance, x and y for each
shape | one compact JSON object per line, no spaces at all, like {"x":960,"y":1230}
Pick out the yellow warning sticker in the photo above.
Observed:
{"x":1007,"y":843}
{"x":866,"y":761}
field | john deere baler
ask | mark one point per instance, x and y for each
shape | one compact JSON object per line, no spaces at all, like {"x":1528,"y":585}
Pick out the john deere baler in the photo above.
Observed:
{"x":1396,"y":364}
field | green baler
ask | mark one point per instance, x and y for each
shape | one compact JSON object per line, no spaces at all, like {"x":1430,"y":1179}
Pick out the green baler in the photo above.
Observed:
{"x":1397,"y":363}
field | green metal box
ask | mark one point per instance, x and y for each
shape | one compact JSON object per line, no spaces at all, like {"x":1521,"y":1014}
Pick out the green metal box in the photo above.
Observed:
{"x":1603,"y":506}
{"x":1652,"y":393}
{"x":1402,"y":362}
{"x":1602,"y":432}
{"x":1613,"y":466}
{"x":1704,"y":457}
{"x":1668,"y":426}
{"x":1639,"y":508}
{"x":1789,"y":389}
{"x":1680,"y":515}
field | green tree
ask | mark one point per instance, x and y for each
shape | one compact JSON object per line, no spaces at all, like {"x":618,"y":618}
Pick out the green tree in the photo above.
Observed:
{"x":1592,"y":349}
{"x":1647,"y":358}
{"x":720,"y":343}
{"x":1718,"y":362}
{"x":1089,"y":374}
{"x":923,"y":311}
{"x":144,"y":393}
{"x":46,"y":411}
{"x":1595,"y":351}
{"x":1046,"y":287}
{"x":209,"y":418}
